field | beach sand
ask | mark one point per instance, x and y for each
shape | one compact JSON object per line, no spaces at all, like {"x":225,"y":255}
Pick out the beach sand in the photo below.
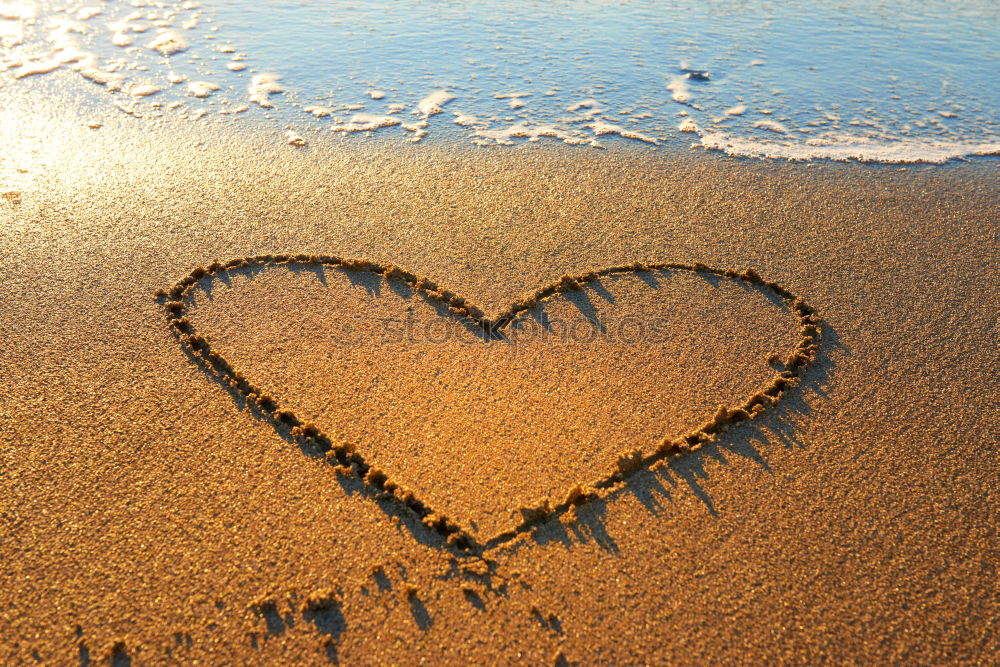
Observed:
{"x":146,"y":513}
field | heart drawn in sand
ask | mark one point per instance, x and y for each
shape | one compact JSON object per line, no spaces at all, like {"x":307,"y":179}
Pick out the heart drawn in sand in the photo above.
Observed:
{"x":357,"y":464}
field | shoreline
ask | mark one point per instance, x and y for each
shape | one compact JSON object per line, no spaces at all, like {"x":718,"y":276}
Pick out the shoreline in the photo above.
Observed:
{"x":264,"y":132}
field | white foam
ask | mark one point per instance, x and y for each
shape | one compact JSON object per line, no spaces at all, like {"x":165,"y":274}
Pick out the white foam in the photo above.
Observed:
{"x":121,"y":39}
{"x":419,"y":130}
{"x":522,"y":130}
{"x":586,"y":111}
{"x":143,"y":89}
{"x":376,"y":94}
{"x":236,"y":66}
{"x":293,"y":139}
{"x":262,"y":86}
{"x":589,"y":104}
{"x":110,"y":80}
{"x":601,"y":128}
{"x":168,"y":43}
{"x":679,"y":89}
{"x":432,"y":104}
{"x":515,"y":99}
{"x":85,"y":13}
{"x":319,"y":112}
{"x":69,"y":55}
{"x":323,"y":112}
{"x":737,"y":110}
{"x":18,"y":11}
{"x":467,"y":120}
{"x":365,"y":122}
{"x":771,"y":126}
{"x":845,"y":147}
{"x":688,"y":125}
{"x":202,"y":88}
{"x":38,"y":67}
{"x":11,"y":35}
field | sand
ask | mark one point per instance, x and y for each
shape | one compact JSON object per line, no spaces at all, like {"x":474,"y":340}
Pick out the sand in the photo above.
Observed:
{"x":148,"y":514}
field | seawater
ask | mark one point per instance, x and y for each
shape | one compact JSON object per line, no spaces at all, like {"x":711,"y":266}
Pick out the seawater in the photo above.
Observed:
{"x":893,"y":81}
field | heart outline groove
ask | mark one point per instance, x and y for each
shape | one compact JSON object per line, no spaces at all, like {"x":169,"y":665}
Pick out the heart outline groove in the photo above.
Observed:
{"x":347,"y":461}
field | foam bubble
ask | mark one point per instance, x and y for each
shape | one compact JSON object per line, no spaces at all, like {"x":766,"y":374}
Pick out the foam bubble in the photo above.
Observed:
{"x":319,"y":112}
{"x":38,"y":67}
{"x":688,"y":125}
{"x":419,"y":130}
{"x":293,"y":139}
{"x":522,"y":130}
{"x":432,"y":103}
{"x":845,"y":147}
{"x":588,"y":104}
{"x":18,"y":11}
{"x":515,"y":101}
{"x":771,"y":126}
{"x":202,"y":88}
{"x":168,"y":43}
{"x":466,"y":120}
{"x":85,"y":13}
{"x":110,"y":80}
{"x":601,"y":128}
{"x":364,"y":122}
{"x":143,"y":89}
{"x":679,"y":88}
{"x":376,"y":94}
{"x":262,"y":86}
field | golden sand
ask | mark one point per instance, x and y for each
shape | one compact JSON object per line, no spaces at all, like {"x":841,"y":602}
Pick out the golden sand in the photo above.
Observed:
{"x":147,"y":510}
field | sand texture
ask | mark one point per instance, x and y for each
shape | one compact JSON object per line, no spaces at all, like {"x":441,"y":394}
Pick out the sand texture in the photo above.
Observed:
{"x":369,"y":362}
{"x":150,"y":512}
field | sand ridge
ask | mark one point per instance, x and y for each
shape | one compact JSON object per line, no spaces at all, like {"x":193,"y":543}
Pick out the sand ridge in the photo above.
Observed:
{"x":351,"y":463}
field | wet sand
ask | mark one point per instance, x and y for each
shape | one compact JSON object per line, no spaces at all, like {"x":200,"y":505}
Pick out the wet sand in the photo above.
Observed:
{"x":148,"y":512}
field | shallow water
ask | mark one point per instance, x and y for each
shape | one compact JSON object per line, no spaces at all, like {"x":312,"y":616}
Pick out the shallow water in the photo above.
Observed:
{"x":893,"y":81}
